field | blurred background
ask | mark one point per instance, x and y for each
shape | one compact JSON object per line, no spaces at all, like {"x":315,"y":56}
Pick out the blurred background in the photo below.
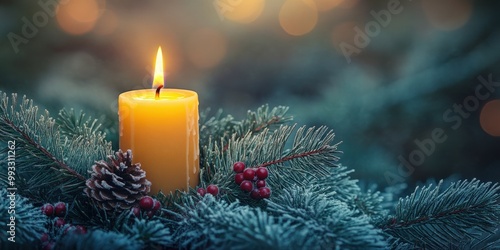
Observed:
{"x":412,"y":88}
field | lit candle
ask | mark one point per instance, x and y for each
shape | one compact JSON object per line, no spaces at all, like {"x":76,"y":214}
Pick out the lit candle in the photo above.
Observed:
{"x":160,"y":126}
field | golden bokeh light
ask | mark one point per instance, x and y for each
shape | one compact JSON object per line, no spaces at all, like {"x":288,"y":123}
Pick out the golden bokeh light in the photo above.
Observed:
{"x":298,"y":17}
{"x":242,"y":11}
{"x":326,"y":5}
{"x":447,"y":14}
{"x":490,"y":118}
{"x":78,"y":17}
{"x":205,"y":48}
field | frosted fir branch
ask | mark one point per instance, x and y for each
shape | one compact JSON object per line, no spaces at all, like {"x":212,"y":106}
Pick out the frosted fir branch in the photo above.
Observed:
{"x":219,"y":127}
{"x":311,"y":154}
{"x":152,"y":232}
{"x":99,"y":239}
{"x":74,"y":125}
{"x":50,"y":167}
{"x":209,"y":223}
{"x":29,"y":223}
{"x":35,"y":145}
{"x":263,"y":118}
{"x":463,"y":213}
{"x":331,"y":223}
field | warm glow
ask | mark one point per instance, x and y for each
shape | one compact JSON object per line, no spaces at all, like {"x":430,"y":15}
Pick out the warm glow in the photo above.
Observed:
{"x":242,"y":11}
{"x":78,"y":17}
{"x":298,"y":17}
{"x":158,"y":76}
{"x":490,"y":118}
{"x":326,"y":5}
{"x":447,"y":14}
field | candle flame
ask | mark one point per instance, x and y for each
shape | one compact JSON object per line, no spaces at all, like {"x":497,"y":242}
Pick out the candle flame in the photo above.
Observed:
{"x":158,"y":76}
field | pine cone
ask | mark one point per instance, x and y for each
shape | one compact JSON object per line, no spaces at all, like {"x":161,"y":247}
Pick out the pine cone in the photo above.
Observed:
{"x":117,"y":184}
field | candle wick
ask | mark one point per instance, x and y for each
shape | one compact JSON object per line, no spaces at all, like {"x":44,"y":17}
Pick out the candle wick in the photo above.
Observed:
{"x":157,"y":95}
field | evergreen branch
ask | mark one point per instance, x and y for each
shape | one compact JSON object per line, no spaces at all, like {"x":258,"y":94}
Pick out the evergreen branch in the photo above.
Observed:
{"x":73,"y":125}
{"x":29,"y":223}
{"x":464,"y":212}
{"x":41,"y":149}
{"x":98,"y":239}
{"x":49,"y":167}
{"x":329,"y":222}
{"x":255,"y":122}
{"x":216,"y":224}
{"x":312,"y":155}
{"x":292,"y":157}
{"x":153,"y":233}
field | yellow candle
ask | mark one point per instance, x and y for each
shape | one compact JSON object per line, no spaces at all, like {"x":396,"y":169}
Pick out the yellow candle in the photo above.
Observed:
{"x":161,"y":129}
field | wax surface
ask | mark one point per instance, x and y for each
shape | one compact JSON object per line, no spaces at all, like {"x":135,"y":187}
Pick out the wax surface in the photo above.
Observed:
{"x":163,"y":135}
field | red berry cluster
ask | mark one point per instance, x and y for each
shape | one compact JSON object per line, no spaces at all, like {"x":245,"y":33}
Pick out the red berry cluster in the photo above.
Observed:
{"x":211,"y":189}
{"x":252,"y":180}
{"x":147,"y":204}
{"x":58,"y":210}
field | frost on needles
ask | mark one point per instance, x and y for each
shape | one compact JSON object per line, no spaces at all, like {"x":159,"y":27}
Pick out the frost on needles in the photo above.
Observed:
{"x":314,"y":203}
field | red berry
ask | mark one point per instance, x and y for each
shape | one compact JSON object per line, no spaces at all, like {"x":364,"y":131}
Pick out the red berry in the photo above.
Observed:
{"x":238,"y":167}
{"x":201,"y":191}
{"x":246,"y":186}
{"x":44,"y":237}
{"x":255,"y":194}
{"x":60,"y":209}
{"x":146,"y":203}
{"x":238,"y":178}
{"x":265,"y":192}
{"x":212,"y":189}
{"x":81,"y":229}
{"x":262,"y":173}
{"x":48,"y":209}
{"x":260,"y":183}
{"x":150,"y":214}
{"x":136,"y":211}
{"x":157,"y":205}
{"x":59,"y":222}
{"x":249,"y":174}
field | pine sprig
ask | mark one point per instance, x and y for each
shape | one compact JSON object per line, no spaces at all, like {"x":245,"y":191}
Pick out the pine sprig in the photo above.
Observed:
{"x":463,"y":213}
{"x":72,"y":124}
{"x":312,"y":154}
{"x":29,"y":222}
{"x":215,"y":224}
{"x":328,"y":221}
{"x":50,"y":167}
{"x":152,"y":233}
{"x":99,"y":240}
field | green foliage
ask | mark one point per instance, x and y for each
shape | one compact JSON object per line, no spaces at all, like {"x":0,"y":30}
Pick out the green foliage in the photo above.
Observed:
{"x":49,"y":166}
{"x":465,"y":212}
{"x":98,"y":240}
{"x":329,"y":222}
{"x":216,"y":224}
{"x":311,"y":154}
{"x":29,"y":221}
{"x":150,"y":232}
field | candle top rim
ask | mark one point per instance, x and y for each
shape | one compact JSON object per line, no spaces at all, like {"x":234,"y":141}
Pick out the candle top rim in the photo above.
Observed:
{"x":165,"y":94}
